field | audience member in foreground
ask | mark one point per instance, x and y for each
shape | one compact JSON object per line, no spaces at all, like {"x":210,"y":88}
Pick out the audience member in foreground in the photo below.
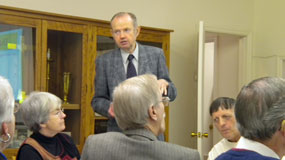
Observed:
{"x":42,"y":114}
{"x":260,"y":121}
{"x":223,"y":115}
{"x":7,"y":117}
{"x":139,"y":111}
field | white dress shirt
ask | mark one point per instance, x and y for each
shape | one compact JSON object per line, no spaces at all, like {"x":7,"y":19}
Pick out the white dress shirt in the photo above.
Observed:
{"x":135,"y":61}
{"x":255,"y":146}
{"x":221,"y":147}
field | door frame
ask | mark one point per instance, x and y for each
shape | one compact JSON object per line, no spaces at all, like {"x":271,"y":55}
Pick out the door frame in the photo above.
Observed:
{"x":245,"y":51}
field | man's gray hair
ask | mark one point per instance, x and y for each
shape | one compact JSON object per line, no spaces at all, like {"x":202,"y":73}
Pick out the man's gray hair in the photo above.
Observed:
{"x":132,"y":100}
{"x":120,"y":14}
{"x":7,"y":101}
{"x":274,"y":117}
{"x":36,"y":109}
{"x":253,"y":102}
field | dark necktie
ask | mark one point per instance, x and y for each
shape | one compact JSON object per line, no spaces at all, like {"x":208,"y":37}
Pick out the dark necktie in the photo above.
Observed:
{"x":131,"y":70}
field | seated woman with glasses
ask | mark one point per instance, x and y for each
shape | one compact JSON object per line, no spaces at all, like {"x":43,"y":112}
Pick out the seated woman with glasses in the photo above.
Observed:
{"x":42,"y":114}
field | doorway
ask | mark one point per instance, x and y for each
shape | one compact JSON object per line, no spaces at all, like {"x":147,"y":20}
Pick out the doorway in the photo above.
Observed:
{"x":223,"y":65}
{"x":221,"y":73}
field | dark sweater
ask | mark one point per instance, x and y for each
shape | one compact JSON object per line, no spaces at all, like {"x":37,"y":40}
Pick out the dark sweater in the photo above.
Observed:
{"x":242,"y":154}
{"x":59,"y":145}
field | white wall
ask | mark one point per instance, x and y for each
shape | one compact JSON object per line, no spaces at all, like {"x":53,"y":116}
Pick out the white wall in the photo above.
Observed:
{"x":183,"y":17}
{"x":269,"y":37}
{"x":269,"y":24}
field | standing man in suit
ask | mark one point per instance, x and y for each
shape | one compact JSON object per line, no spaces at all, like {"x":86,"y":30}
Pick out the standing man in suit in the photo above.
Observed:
{"x":139,"y":111}
{"x":112,"y":67}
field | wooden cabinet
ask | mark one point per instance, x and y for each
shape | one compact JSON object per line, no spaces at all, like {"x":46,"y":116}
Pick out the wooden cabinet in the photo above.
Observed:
{"x":50,"y":45}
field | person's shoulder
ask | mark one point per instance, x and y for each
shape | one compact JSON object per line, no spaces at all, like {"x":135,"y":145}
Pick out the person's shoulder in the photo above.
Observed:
{"x":149,"y":47}
{"x":216,"y":150}
{"x":179,"y":150}
{"x":109,"y":53}
{"x":243,"y":154}
{"x":220,"y":143}
{"x":107,"y":137}
{"x":28,"y":151}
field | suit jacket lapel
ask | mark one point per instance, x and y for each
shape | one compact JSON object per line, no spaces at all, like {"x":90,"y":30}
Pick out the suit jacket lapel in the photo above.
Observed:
{"x":143,"y":61}
{"x":118,"y":67}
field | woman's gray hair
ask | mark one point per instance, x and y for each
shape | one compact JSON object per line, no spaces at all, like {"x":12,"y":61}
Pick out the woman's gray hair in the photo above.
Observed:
{"x":132,"y":99}
{"x":274,"y":117}
{"x":36,"y":109}
{"x":7,"y":101}
{"x":253,"y":103}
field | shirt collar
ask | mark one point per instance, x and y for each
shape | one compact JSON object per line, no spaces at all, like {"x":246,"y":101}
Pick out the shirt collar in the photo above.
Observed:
{"x":126,"y":54}
{"x":255,"y":146}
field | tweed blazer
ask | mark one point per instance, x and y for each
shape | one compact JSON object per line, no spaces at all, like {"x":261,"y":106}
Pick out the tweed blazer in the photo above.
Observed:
{"x":110,"y":72}
{"x":137,"y":144}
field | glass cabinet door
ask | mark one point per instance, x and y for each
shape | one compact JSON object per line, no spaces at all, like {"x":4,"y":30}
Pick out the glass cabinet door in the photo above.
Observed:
{"x":18,"y":54}
{"x":64,"y":59}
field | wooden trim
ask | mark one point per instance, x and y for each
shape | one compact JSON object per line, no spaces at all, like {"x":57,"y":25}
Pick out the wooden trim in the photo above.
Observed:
{"x":71,"y":106}
{"x":44,"y":56}
{"x":67,"y":18}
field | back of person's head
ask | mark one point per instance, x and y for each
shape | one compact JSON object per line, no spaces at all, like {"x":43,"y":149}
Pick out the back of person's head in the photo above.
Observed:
{"x":274,"y":119}
{"x":36,"y":109}
{"x":132,"y":99}
{"x":7,"y":101}
{"x":223,"y":103}
{"x":253,"y":102}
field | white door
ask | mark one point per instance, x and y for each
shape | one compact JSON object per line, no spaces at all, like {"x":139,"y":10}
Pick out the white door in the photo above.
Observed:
{"x":200,"y":92}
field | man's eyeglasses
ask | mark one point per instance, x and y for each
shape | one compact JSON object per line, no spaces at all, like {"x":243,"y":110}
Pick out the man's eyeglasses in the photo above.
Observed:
{"x":16,"y":107}
{"x":165,"y":101}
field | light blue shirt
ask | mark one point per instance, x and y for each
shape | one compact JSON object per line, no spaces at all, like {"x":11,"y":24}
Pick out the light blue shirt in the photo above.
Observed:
{"x":135,"y":60}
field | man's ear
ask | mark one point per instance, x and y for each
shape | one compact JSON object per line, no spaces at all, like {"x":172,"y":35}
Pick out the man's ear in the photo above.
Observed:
{"x":138,"y":30}
{"x":152,"y":113}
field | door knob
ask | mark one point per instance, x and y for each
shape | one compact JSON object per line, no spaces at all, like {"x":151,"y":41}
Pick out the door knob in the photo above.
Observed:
{"x":206,"y":135}
{"x":199,"y":135}
{"x":196,"y":134}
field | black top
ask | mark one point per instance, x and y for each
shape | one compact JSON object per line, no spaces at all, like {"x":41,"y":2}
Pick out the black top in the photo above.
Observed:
{"x":59,"y":145}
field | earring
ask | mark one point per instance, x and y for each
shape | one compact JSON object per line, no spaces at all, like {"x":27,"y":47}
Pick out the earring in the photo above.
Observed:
{"x":7,"y":140}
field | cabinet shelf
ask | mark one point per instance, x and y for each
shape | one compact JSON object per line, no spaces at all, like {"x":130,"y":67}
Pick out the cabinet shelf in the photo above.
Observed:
{"x":100,"y":118}
{"x":71,"y":106}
